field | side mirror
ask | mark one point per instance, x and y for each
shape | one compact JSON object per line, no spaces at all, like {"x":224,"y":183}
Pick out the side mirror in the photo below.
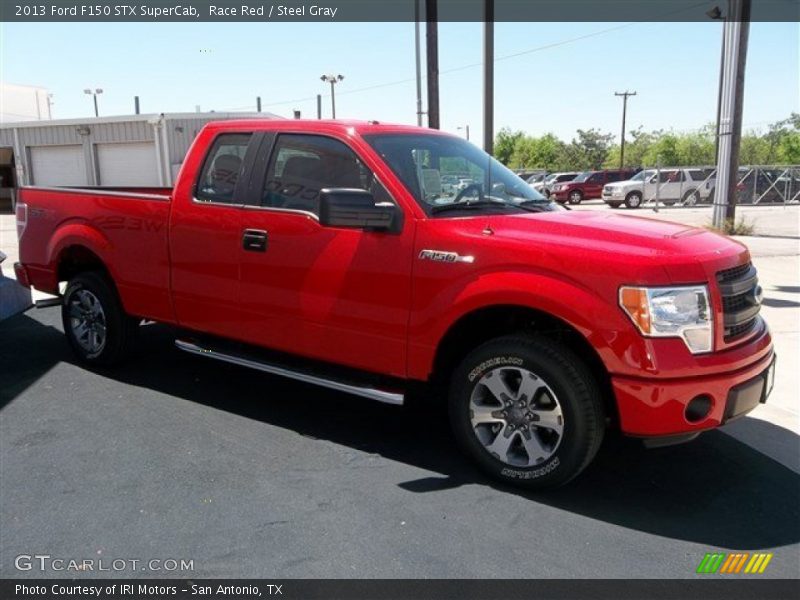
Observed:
{"x":356,"y":209}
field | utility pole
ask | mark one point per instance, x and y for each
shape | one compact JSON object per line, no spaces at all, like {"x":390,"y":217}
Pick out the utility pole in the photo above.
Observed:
{"x":419,"y":68}
{"x":432,"y":48}
{"x":136,"y":109}
{"x":624,"y":96}
{"x":717,"y":15}
{"x":319,"y":106}
{"x":333,"y":80}
{"x":258,"y":103}
{"x":737,"y":29}
{"x":488,"y":76}
{"x":466,"y":130}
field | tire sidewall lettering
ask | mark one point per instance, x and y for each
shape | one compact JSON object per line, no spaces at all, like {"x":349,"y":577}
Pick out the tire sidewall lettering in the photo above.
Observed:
{"x":498,"y":361}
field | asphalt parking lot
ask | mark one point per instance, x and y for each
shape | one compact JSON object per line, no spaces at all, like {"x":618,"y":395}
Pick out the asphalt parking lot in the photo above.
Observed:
{"x":247,"y":475}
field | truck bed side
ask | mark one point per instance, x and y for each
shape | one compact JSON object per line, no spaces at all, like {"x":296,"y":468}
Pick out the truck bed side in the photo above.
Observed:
{"x":124,"y":229}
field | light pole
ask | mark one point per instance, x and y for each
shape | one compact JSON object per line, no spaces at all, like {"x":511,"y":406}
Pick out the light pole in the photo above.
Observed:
{"x":466,"y":130}
{"x":333,"y":80}
{"x":94,"y":93}
{"x":624,"y":95}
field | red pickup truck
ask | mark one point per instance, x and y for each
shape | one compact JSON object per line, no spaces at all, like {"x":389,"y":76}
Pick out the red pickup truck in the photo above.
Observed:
{"x":328,"y":251}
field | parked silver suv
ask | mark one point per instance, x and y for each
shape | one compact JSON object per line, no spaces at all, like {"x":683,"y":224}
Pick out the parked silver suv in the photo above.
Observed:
{"x":667,"y":185}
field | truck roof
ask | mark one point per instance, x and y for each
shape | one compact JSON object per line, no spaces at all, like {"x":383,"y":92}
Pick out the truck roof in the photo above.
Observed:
{"x":343,"y":126}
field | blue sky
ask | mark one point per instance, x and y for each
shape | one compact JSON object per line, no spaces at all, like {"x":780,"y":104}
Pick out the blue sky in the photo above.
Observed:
{"x":174,"y":67}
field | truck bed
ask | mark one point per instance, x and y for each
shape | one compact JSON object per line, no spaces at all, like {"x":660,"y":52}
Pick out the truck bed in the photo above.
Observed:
{"x":126,"y":227}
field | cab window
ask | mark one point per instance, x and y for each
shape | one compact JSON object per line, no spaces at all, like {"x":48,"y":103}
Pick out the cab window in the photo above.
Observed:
{"x":222,"y":168}
{"x":302,"y":165}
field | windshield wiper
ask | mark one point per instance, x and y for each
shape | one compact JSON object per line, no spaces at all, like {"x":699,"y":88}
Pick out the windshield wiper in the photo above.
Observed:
{"x":477,"y":204}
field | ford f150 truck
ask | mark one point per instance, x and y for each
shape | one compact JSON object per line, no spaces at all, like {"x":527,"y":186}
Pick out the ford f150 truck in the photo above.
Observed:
{"x":326,"y":251}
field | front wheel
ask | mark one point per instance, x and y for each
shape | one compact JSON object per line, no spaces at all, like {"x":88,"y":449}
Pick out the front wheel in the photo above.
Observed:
{"x":527,"y":411}
{"x":614,"y":204}
{"x":633,"y":200}
{"x":575,"y":197}
{"x":95,"y":323}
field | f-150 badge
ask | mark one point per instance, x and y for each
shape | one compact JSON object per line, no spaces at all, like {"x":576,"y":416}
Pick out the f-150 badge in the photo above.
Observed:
{"x":442,"y":256}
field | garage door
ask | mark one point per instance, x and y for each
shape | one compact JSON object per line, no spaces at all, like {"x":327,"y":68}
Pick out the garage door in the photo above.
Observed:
{"x":131,"y":164}
{"x":58,"y":165}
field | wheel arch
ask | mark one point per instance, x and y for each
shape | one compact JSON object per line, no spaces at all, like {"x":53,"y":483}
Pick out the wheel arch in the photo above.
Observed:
{"x":78,"y":258}
{"x":480,"y":325}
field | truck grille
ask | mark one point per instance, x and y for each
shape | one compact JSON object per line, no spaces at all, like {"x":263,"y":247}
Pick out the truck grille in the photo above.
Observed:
{"x":740,"y":300}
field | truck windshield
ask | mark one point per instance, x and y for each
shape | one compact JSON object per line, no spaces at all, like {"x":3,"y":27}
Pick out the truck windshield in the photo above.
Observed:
{"x":448,"y":174}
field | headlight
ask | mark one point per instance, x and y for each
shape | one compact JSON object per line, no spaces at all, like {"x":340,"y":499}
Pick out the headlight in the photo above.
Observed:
{"x":682,"y":312}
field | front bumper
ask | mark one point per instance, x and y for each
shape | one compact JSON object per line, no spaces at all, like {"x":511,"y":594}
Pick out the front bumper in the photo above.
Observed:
{"x":653,"y":407}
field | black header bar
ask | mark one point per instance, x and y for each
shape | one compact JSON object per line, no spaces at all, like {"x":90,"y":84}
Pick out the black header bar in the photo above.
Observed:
{"x":711,"y":588}
{"x":380,"y":10}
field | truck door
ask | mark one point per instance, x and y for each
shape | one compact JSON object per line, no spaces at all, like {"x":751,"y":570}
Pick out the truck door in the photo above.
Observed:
{"x":205,"y":236}
{"x":335,"y":294}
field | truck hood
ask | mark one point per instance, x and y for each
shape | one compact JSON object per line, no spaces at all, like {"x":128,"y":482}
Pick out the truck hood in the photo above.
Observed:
{"x":634,"y":248}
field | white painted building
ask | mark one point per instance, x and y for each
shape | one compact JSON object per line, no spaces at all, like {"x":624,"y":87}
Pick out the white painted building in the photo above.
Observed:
{"x":23,"y":103}
{"x":132,"y":151}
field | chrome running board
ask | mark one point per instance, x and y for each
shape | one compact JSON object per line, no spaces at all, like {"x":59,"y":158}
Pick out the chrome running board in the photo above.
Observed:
{"x":340,"y":386}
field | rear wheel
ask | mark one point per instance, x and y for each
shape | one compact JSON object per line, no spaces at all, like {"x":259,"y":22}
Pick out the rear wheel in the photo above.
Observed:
{"x":527,"y":411}
{"x":633,"y":200}
{"x":575,"y":197}
{"x":691,"y":198}
{"x":96,"y":326}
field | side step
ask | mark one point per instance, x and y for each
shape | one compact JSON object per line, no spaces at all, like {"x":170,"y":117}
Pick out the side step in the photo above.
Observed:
{"x":284,"y":371}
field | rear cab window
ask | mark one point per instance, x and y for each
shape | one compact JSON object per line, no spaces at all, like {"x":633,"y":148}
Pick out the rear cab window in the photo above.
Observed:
{"x":222,"y":168}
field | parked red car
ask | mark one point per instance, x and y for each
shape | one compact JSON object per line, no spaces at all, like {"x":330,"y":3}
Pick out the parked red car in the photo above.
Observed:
{"x":327,"y":251}
{"x":588,"y":185}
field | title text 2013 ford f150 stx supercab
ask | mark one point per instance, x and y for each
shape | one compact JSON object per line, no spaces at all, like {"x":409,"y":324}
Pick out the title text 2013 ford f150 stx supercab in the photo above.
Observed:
{"x":330,"y":251}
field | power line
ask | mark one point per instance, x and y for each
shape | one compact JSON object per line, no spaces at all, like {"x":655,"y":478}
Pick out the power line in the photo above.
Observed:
{"x":497,"y":59}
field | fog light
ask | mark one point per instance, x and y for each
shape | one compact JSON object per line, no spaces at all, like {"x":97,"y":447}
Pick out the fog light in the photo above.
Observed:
{"x":698,"y":408}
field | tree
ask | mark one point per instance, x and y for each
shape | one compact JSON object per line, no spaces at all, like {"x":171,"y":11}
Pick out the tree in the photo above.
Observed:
{"x":546,"y":152}
{"x":504,"y":144}
{"x":593,"y":149}
{"x":589,"y":150}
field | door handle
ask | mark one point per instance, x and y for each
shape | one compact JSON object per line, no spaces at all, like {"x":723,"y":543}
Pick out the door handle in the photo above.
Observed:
{"x":254,"y":240}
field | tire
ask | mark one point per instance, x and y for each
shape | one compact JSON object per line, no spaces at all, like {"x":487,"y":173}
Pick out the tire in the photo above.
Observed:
{"x":505,"y":442}
{"x":691,"y":198}
{"x":547,"y":193}
{"x":97,"y":328}
{"x":633,"y":200}
{"x":575,"y":197}
{"x":614,"y":204}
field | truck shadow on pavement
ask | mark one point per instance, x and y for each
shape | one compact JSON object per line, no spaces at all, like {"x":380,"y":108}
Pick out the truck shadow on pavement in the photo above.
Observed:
{"x":714,"y":491}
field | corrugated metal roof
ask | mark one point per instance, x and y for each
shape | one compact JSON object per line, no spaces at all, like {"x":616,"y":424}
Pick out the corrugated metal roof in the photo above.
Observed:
{"x":145,"y":117}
